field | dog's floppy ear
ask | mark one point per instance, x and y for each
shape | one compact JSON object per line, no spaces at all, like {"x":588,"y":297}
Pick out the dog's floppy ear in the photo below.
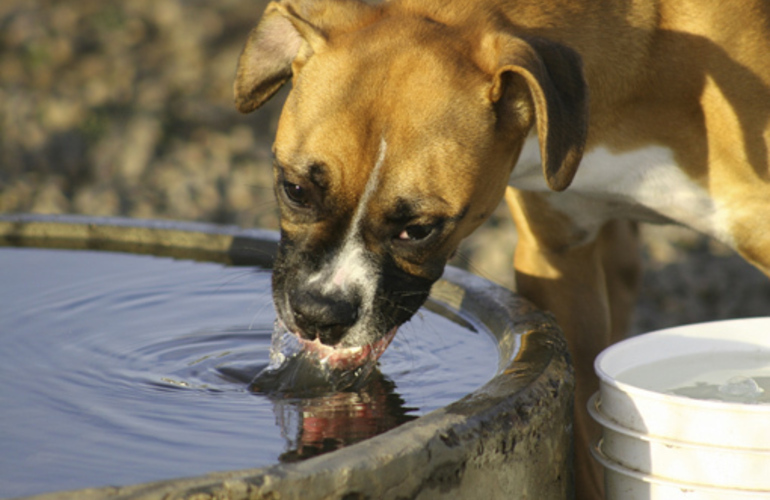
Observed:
{"x":549,"y":77}
{"x":266,"y":61}
{"x":289,"y":32}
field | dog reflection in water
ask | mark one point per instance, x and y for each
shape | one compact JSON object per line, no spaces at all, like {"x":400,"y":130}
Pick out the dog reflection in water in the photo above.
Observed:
{"x":320,"y":402}
{"x":323,"y":423}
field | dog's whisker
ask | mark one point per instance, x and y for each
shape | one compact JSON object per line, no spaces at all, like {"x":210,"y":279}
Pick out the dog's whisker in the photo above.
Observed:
{"x":235,"y":277}
{"x":408,"y":293}
{"x":261,"y":303}
{"x":395,"y":305}
{"x":259,"y":313}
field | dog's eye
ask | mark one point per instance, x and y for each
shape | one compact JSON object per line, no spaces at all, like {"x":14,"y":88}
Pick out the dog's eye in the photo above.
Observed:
{"x":296,"y":194}
{"x":416,"y":232}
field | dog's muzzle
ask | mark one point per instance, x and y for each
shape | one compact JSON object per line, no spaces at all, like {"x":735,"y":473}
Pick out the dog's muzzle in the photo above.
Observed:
{"x":333,"y":325}
{"x":344,"y":307}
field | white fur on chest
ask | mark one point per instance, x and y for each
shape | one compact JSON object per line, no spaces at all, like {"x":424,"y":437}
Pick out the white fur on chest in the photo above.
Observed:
{"x":643,"y":184}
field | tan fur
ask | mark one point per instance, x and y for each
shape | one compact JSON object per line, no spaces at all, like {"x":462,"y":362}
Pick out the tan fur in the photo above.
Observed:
{"x":454,"y":89}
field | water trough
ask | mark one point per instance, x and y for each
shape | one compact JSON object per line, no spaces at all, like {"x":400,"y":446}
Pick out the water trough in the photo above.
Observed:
{"x":511,"y":438}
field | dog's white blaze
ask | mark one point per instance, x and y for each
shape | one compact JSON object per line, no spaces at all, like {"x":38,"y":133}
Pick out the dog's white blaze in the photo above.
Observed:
{"x":632,"y":184}
{"x":351,"y":266}
{"x":371,"y":187}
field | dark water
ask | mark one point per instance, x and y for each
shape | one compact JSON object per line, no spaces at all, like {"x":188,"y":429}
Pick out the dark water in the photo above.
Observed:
{"x":117,"y":369}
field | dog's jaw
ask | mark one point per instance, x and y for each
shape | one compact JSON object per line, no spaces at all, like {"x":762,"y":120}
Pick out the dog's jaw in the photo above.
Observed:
{"x":346,"y":358}
{"x":361,"y":338}
{"x":364,"y":293}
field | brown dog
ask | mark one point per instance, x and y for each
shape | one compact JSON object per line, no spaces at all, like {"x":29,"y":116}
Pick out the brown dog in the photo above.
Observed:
{"x":406,"y":120}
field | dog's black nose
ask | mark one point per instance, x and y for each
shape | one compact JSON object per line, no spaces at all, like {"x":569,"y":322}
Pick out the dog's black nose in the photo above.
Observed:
{"x":326,"y":316}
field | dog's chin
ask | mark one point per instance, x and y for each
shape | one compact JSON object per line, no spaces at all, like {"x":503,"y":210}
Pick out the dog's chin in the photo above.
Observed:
{"x":346,"y":358}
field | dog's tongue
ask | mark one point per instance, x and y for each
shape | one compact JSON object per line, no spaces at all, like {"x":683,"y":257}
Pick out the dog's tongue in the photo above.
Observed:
{"x":300,"y":366}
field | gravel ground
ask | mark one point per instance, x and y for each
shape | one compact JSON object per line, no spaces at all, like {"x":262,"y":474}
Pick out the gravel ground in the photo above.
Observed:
{"x":125,"y":108}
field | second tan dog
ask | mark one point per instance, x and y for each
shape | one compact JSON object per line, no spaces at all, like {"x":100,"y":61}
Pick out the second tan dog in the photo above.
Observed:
{"x":406,"y":120}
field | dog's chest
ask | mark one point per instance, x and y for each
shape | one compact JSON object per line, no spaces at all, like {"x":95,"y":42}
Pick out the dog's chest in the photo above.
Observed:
{"x":644,"y":184}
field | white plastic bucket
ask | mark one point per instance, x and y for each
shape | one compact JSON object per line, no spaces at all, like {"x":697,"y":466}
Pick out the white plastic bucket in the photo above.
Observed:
{"x":656,"y":443}
{"x":680,"y":418}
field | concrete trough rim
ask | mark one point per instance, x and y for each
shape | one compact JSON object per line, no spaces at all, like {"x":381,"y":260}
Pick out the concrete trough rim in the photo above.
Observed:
{"x":535,"y":376}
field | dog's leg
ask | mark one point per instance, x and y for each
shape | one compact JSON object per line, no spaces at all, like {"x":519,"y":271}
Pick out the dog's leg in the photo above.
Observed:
{"x":589,"y":284}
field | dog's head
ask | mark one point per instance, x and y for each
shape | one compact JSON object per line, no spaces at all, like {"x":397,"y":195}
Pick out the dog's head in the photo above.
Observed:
{"x":395,"y":142}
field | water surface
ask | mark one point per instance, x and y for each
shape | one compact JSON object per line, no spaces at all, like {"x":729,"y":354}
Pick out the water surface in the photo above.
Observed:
{"x":728,"y":376}
{"x":117,"y":369}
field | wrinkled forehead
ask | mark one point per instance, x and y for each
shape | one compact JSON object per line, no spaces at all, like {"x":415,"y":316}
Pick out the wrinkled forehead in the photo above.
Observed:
{"x":397,"y":82}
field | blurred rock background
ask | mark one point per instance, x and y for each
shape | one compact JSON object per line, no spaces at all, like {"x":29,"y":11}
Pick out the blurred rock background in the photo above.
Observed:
{"x":125,"y":108}
{"x":110,"y":107}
